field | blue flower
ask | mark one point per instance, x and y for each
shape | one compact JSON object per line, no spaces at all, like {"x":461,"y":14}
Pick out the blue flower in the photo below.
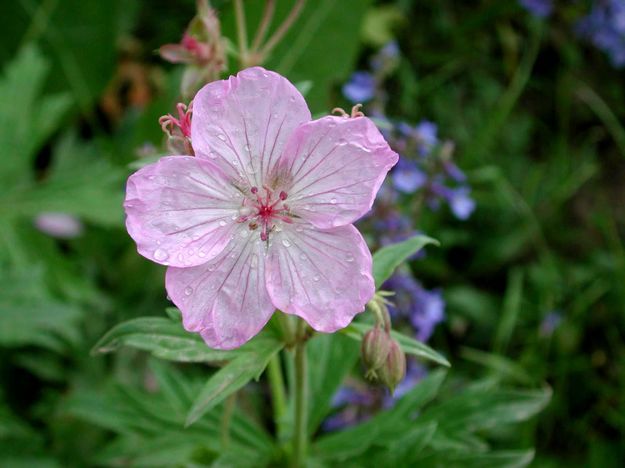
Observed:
{"x":407,"y":177}
{"x":604,"y":27}
{"x":461,"y":204}
{"x":538,"y":8}
{"x":385,"y":57}
{"x":424,"y":309}
{"x":360,"y":87}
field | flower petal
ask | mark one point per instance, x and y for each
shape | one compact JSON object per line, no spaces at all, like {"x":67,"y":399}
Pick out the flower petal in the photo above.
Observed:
{"x":243,"y":123}
{"x":225,"y":300}
{"x":337,"y":165}
{"x":322,"y":276}
{"x":181,"y":211}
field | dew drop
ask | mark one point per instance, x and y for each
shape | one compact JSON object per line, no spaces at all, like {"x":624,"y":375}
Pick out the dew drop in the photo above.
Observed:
{"x":201,"y":254}
{"x":254,"y":261}
{"x":316,"y":278}
{"x":292,"y":99}
{"x":212,"y":154}
{"x":303,"y":256}
{"x":286,"y":242}
{"x":333,"y":201}
{"x":160,"y":255}
{"x":188,"y":291}
{"x":244,"y":233}
{"x":222,"y":223}
{"x":211,"y":267}
{"x":221,"y":136}
{"x":247,"y":148}
{"x":299,"y":228}
{"x":152,"y":177}
{"x":349,"y":258}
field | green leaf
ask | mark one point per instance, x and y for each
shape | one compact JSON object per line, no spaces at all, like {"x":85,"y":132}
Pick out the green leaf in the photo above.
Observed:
{"x":478,"y":409}
{"x":390,"y":257}
{"x":385,"y":427}
{"x":30,"y":315}
{"x":330,"y":358}
{"x":495,"y":459}
{"x":27,"y":119}
{"x":232,"y":377}
{"x":356,"y":330}
{"x":163,"y":338}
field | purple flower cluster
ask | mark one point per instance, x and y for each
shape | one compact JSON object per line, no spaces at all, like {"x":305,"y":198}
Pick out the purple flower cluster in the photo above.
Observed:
{"x":425,"y":168}
{"x":413,"y":303}
{"x":538,"y":8}
{"x":604,"y":27}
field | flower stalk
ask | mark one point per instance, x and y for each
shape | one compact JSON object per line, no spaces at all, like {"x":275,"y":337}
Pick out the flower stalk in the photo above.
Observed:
{"x":300,"y":432}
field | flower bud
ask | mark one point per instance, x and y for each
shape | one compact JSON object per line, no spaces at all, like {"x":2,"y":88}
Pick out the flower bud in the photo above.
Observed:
{"x":394,"y":369}
{"x":374,"y":349}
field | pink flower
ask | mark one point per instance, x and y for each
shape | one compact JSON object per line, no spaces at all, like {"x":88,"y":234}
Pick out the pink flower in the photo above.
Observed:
{"x":261,"y":217}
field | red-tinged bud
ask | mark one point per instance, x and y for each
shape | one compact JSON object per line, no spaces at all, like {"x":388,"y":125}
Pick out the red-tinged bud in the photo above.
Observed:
{"x":374,"y":350}
{"x":394,"y":369}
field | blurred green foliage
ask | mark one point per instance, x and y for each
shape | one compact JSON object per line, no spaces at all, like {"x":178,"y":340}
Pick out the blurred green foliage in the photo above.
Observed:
{"x":536,"y":116}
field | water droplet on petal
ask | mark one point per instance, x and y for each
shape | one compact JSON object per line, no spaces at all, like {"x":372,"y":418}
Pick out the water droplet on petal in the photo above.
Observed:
{"x":160,"y":255}
{"x":152,"y":177}
{"x":316,"y":278}
{"x":222,"y":223}
{"x":188,"y":291}
{"x":286,"y":242}
{"x":349,"y":258}
{"x":202,"y":253}
{"x":221,"y":136}
{"x":254,"y":261}
{"x":244,"y":233}
{"x":211,"y":267}
{"x":333,"y":201}
{"x":303,"y":256}
{"x":299,"y":228}
{"x":247,"y":148}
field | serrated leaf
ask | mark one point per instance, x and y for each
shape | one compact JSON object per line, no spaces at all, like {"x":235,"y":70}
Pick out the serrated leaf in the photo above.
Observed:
{"x":388,"y":258}
{"x":356,"y":330}
{"x":163,"y":338}
{"x":480,"y":409}
{"x":27,"y":119}
{"x":232,"y":377}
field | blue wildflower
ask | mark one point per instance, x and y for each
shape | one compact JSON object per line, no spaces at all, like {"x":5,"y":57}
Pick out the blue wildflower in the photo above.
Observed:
{"x":424,"y":309}
{"x":550,"y":323}
{"x":407,"y":177}
{"x":604,"y":27}
{"x":360,"y":87}
{"x":538,"y":8}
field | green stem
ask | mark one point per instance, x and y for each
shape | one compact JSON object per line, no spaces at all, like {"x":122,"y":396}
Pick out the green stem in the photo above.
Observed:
{"x":283,"y":28}
{"x":225,"y":420}
{"x":278,"y":393}
{"x":300,"y":433}
{"x":239,"y":12}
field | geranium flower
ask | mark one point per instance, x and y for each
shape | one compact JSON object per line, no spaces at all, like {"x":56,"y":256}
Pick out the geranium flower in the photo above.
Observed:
{"x":261,"y":217}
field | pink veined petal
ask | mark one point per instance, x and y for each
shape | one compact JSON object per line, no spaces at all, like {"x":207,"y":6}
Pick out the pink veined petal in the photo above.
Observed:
{"x":225,"y":300}
{"x":242,"y":124}
{"x":180,"y":211}
{"x":323,"y":276}
{"x":337,"y":165}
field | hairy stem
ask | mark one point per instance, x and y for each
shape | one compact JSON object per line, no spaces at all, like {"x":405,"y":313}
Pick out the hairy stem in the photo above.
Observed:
{"x":283,"y":28}
{"x":239,"y":12}
{"x":300,"y":432}
{"x":278,"y":393}
{"x":265,"y":22}
{"x":225,"y":420}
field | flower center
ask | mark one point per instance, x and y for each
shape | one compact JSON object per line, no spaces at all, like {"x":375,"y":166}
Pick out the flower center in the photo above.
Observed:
{"x":264,"y":211}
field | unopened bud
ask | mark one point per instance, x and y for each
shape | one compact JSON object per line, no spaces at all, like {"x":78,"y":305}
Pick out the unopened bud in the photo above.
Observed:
{"x":374,"y":349}
{"x":394,"y":369}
